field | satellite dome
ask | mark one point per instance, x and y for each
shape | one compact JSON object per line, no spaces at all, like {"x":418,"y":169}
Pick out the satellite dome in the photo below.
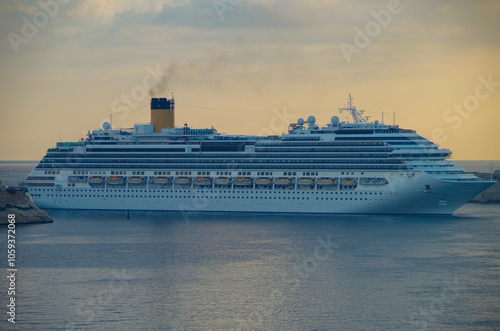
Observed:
{"x":376,"y":122}
{"x":335,"y":120}
{"x":300,"y":121}
{"x":106,"y":126}
{"x":311,"y":119}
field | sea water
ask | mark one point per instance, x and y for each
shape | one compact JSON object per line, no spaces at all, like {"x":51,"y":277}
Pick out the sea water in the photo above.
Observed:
{"x":106,"y":270}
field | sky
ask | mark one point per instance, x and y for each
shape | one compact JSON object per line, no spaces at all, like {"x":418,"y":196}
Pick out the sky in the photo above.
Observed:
{"x":249,"y":67}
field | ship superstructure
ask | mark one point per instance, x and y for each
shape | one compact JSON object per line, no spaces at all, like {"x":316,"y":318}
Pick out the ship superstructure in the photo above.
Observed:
{"x":356,"y":167}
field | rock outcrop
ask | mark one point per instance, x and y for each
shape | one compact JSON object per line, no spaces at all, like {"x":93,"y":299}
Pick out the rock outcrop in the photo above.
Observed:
{"x":492,"y":193}
{"x":14,"y":200}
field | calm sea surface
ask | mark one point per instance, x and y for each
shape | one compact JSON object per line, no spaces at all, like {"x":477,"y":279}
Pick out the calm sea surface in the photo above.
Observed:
{"x":94,"y":270}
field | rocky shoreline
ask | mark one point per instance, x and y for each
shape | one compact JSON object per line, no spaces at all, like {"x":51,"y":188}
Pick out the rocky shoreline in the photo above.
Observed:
{"x":15,"y":200}
{"x":492,"y":193}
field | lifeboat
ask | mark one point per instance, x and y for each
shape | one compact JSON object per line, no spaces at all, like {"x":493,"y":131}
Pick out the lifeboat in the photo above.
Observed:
{"x":114,"y":180}
{"x":222,"y":181}
{"x":242,"y":181}
{"x":96,"y":180}
{"x":162,"y":180}
{"x":136,"y":180}
{"x":325,"y":181}
{"x":346,"y":181}
{"x":283,"y":181}
{"x":305,"y":181}
{"x":263,"y":181}
{"x":183,"y":180}
{"x":202,"y":181}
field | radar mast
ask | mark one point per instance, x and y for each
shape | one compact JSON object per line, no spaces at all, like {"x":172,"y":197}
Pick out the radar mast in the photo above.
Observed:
{"x":357,"y":116}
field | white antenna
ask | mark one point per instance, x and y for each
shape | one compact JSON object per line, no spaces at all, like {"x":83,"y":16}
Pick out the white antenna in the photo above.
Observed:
{"x":393,"y":119}
{"x":382,"y":117}
{"x":356,"y":116}
{"x":111,"y":121}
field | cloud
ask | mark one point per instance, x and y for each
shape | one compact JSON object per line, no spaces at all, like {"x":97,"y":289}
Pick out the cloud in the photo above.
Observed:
{"x":273,"y":49}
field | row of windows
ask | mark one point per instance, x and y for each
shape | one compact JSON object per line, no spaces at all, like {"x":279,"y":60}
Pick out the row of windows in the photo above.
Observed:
{"x":298,"y":154}
{"x":104,"y":172}
{"x":310,"y":173}
{"x":275,"y":160}
{"x":347,"y":143}
{"x":41,"y":178}
{"x":43,"y":165}
{"x":52,"y":172}
{"x":265,"y":173}
{"x":425,"y":155}
{"x":136,"y":150}
{"x":192,"y":197}
{"x":324,"y":149}
{"x":161,"y":173}
{"x":214,"y":191}
{"x":223,"y":173}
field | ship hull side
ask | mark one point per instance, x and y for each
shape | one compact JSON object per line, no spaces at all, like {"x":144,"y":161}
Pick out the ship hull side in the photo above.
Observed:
{"x":404,"y":195}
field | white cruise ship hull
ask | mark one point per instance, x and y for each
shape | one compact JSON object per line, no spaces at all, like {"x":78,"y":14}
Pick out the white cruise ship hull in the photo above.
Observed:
{"x":403,"y":195}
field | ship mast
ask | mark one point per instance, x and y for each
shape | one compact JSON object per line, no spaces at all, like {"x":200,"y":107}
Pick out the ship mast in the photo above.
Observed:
{"x":357,"y":116}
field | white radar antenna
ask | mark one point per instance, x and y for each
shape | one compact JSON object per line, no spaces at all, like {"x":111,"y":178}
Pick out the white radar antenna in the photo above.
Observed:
{"x":357,"y":115}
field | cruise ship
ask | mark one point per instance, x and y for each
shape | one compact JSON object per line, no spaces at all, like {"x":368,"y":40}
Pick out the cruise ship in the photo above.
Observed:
{"x":358,"y":166}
